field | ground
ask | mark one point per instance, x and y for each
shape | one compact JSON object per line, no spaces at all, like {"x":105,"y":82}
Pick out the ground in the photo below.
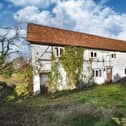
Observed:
{"x":96,"y":106}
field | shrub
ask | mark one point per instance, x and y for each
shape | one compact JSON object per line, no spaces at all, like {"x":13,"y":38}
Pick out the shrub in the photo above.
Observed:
{"x":6,"y":91}
{"x":123,"y":81}
{"x":22,"y":89}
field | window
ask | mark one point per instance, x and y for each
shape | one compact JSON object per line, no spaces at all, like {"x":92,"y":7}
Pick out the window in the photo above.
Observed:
{"x":61,"y":51}
{"x":100,"y":73}
{"x":93,"y":54}
{"x":113,"y":55}
{"x":97,"y":73}
{"x":58,"y":51}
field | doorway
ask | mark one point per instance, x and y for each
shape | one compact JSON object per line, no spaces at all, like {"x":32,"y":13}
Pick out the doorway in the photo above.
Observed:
{"x":44,"y":82}
{"x":109,"y":74}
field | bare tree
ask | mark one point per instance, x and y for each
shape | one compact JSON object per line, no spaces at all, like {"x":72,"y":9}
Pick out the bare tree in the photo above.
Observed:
{"x":7,"y":45}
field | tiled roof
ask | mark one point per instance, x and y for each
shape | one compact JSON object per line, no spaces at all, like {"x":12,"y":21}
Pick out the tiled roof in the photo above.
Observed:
{"x":47,"y":35}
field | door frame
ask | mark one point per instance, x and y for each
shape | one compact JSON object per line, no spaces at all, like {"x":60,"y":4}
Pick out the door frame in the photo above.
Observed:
{"x":44,"y":87}
{"x":109,"y":74}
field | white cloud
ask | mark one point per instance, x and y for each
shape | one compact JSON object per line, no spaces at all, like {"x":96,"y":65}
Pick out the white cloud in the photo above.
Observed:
{"x":40,"y":3}
{"x":33,"y":14}
{"x":78,"y":15}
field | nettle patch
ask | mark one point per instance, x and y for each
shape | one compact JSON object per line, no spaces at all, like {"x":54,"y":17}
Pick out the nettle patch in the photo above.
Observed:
{"x":71,"y":60}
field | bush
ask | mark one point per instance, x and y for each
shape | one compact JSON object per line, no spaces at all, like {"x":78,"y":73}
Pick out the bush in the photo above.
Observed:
{"x":6,"y":91}
{"x":22,"y":89}
{"x":123,"y":81}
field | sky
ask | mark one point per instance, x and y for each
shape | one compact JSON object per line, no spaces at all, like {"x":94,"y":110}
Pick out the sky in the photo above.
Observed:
{"x":100,"y":17}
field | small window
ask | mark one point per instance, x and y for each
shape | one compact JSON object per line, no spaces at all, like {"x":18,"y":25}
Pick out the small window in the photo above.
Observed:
{"x":61,"y":51}
{"x":100,"y":74}
{"x":113,"y":55}
{"x":58,"y":51}
{"x":97,"y":73}
{"x":93,"y":54}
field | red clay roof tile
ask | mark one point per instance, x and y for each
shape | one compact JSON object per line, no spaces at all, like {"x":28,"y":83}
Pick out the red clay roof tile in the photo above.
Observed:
{"x":47,"y":35}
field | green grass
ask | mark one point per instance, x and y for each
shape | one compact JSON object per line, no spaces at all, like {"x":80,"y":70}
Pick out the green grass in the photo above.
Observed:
{"x":108,"y":96}
{"x":94,"y":106}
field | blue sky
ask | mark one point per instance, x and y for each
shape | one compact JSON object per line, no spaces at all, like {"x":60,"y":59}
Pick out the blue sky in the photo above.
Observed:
{"x":117,"y":5}
{"x":100,"y":17}
{"x":8,"y":8}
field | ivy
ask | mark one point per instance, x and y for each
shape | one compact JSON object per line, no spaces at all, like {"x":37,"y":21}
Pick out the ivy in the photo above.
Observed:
{"x":54,"y":75}
{"x":72,"y":60}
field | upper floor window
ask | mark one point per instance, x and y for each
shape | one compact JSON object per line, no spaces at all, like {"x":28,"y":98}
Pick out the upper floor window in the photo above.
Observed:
{"x":58,"y":51}
{"x":93,"y":54}
{"x":113,"y":55}
{"x":61,"y":51}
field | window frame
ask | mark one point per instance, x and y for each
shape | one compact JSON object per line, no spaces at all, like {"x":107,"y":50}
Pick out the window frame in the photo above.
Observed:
{"x":97,"y":72}
{"x":113,"y":55}
{"x":58,"y":51}
{"x":93,"y":54}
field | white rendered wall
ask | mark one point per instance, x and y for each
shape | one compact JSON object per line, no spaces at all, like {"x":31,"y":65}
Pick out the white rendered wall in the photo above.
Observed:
{"x":39,"y":66}
{"x":102,"y":61}
{"x":119,"y":66}
{"x":36,"y":84}
{"x":38,"y":52}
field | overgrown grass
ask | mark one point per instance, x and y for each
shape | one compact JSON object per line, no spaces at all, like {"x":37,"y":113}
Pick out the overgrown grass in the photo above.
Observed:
{"x":108,"y":96}
{"x":94,"y":106}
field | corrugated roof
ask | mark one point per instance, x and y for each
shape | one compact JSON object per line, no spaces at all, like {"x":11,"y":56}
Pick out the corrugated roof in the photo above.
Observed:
{"x":48,"y":35}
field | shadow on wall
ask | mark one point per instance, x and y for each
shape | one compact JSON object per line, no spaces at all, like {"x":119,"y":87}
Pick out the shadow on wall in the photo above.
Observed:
{"x":117,"y":77}
{"x":82,"y":84}
{"x":123,"y":81}
{"x":44,"y":89}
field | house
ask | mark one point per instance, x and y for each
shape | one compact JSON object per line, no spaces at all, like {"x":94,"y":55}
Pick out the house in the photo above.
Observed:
{"x":102,"y":60}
